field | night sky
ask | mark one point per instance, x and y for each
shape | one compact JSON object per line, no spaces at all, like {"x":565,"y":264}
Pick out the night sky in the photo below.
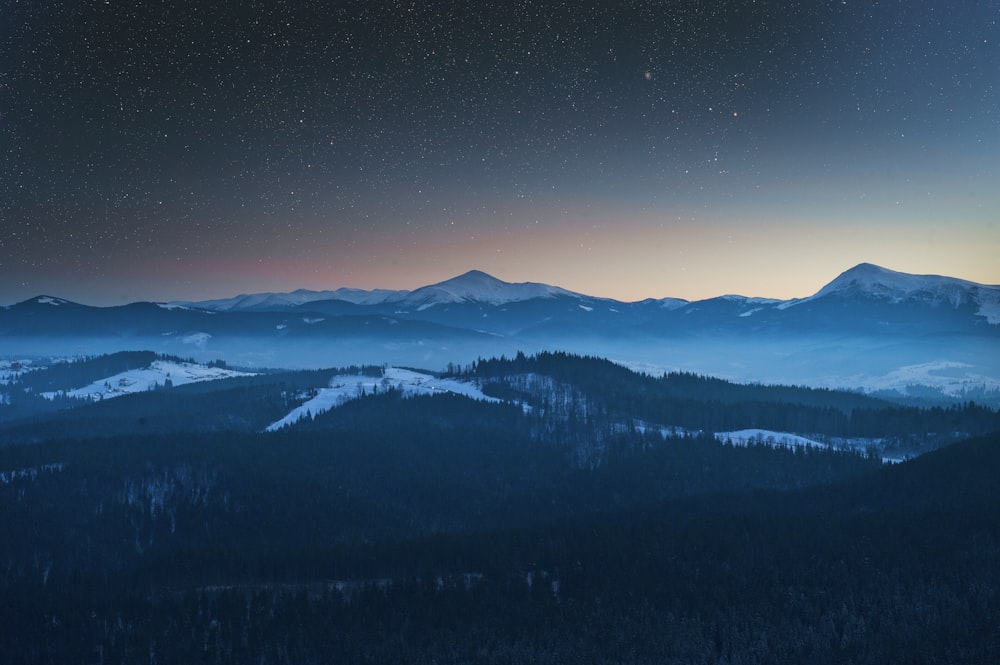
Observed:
{"x":630,"y":149}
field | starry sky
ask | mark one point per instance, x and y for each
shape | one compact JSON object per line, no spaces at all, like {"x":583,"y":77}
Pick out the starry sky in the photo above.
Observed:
{"x":629,"y":148}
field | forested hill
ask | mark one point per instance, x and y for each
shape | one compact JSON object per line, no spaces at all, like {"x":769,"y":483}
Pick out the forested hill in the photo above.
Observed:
{"x":595,"y":374}
{"x":539,"y":509}
{"x":437,"y":529}
{"x":714,"y":405}
{"x":586,"y":403}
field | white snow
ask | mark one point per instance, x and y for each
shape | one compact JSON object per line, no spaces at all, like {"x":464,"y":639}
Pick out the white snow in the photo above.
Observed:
{"x":642,"y":427}
{"x":344,"y":388}
{"x":7,"y":477}
{"x":47,"y":300}
{"x":950,"y":378}
{"x":895,"y":287}
{"x":671,"y":304}
{"x":148,"y":378}
{"x":586,"y":309}
{"x":990,"y":307}
{"x":294,"y":299}
{"x":199,"y":339}
{"x":792,"y":303}
{"x":8,"y":368}
{"x":473,"y":286}
{"x":477,"y":286}
{"x":745,"y":437}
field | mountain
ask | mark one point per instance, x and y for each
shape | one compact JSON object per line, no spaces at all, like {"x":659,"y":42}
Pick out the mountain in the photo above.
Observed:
{"x":474,"y":286}
{"x":873,"y":281}
{"x":870,"y":328}
{"x":876,"y":284}
{"x":277,"y":301}
{"x":863,"y":286}
{"x":477,"y":287}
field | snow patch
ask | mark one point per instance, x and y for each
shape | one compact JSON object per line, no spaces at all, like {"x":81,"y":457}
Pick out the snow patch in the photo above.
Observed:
{"x":477,"y":286}
{"x":991,"y":310}
{"x":873,"y":281}
{"x":344,"y":388}
{"x":671,"y":304}
{"x":199,"y":339}
{"x":746,"y":437}
{"x":9,"y":369}
{"x":297,"y":298}
{"x":7,"y":477}
{"x":950,"y":378}
{"x":156,"y":375}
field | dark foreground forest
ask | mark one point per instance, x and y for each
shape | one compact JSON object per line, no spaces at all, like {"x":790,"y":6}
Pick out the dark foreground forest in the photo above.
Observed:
{"x":438,"y":529}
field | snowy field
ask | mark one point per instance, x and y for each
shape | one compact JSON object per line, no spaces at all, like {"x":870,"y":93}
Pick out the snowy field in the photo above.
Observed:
{"x":746,"y":437}
{"x":954,"y":379}
{"x":148,"y":378}
{"x":11,"y":368}
{"x":344,"y":388}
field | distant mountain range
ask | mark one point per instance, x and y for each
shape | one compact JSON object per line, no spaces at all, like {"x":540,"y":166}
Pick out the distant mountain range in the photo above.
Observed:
{"x":473,"y":286}
{"x":869,"y":328}
{"x":877,"y":296}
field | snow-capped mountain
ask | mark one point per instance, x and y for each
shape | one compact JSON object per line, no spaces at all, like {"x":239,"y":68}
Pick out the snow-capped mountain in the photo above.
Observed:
{"x":864,"y":328}
{"x":871,"y":282}
{"x":865,"y":298}
{"x":274,"y":301}
{"x":476,"y":286}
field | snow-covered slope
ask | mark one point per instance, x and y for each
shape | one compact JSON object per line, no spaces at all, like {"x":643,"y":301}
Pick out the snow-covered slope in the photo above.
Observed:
{"x":158,"y":374}
{"x":473,"y":286}
{"x":344,"y":388}
{"x":668,"y":304}
{"x":261,"y":301}
{"x":865,"y":282}
{"x":9,"y":369}
{"x":49,"y":300}
{"x":477,"y":286}
{"x":870,"y":328}
{"x":748,"y":437}
{"x":871,"y":282}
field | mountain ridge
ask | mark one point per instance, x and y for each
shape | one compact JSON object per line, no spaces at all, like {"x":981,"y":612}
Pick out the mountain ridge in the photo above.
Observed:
{"x":476,"y":286}
{"x":876,"y":297}
{"x":873,"y":282}
{"x":868,"y":329}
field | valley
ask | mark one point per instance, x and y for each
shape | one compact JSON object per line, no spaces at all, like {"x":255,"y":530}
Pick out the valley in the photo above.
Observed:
{"x":424,"y":504}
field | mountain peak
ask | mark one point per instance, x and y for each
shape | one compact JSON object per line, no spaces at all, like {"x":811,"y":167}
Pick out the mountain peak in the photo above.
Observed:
{"x":869,"y":281}
{"x":875,"y":281}
{"x":473,"y":278}
{"x":478,"y":286}
{"x":47,"y":300}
